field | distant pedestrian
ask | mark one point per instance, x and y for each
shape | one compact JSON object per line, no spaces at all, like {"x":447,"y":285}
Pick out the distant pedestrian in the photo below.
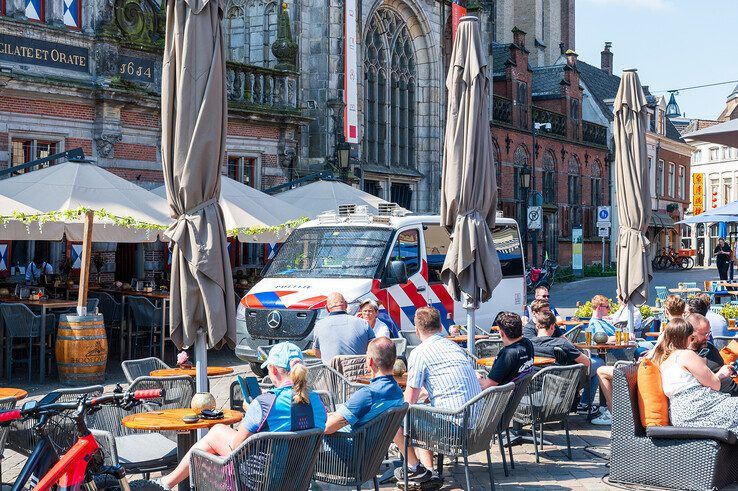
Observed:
{"x":722,"y":254}
{"x":340,"y":333}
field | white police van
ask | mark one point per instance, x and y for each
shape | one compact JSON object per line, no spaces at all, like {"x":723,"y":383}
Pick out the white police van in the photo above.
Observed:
{"x":393,"y":259}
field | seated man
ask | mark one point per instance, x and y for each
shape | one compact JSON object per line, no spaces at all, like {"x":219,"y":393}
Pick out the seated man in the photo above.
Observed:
{"x":540,"y":293}
{"x":538,"y":307}
{"x":718,"y":324}
{"x":340,"y":333}
{"x":544,"y":344}
{"x":600,"y":310}
{"x":290,"y":406}
{"x":621,"y":317}
{"x":381,"y":394}
{"x":516,"y":356}
{"x":442,"y":368}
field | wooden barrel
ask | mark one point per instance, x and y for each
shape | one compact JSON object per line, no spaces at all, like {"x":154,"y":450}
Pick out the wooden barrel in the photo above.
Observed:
{"x":81,"y":349}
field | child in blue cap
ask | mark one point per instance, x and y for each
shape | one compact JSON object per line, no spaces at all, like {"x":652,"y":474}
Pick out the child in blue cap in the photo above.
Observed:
{"x":289,"y":406}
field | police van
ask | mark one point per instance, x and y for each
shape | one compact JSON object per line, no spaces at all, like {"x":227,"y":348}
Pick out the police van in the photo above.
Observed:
{"x":390,"y":258}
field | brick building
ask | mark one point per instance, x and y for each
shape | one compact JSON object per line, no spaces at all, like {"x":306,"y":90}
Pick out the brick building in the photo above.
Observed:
{"x":91,"y":78}
{"x":570,"y":160}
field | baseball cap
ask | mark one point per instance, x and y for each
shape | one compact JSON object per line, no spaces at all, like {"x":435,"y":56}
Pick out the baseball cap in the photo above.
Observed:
{"x":282,"y":354}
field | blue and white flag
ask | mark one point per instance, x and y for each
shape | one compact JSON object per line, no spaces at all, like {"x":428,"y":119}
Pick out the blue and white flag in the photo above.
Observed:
{"x":33,"y":9}
{"x":72,"y":13}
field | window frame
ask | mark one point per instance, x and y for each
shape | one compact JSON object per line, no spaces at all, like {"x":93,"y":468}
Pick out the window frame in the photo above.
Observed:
{"x":671,"y":192}
{"x":58,"y":146}
{"x":396,"y":244}
{"x":79,"y":16}
{"x":659,"y":178}
{"x":242,"y":167}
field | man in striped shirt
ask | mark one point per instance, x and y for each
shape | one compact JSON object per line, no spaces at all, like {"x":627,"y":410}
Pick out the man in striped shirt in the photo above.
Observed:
{"x":441,"y":368}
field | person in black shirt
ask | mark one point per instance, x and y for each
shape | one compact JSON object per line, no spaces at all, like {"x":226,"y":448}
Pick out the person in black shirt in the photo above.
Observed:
{"x":700,"y":344}
{"x":516,"y":356}
{"x":538,"y":307}
{"x":722,"y":258}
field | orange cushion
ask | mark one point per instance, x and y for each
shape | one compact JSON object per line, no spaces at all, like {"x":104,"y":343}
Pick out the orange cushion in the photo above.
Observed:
{"x":728,"y":356}
{"x":653,"y":405}
{"x":733,"y":347}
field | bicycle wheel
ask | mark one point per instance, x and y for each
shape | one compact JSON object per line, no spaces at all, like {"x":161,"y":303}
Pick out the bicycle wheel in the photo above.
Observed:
{"x":109,"y":483}
{"x":655,"y":264}
{"x":664,"y":262}
{"x":687,"y":263}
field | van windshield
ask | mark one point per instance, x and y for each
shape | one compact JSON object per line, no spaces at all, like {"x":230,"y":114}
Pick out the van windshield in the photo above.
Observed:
{"x":331,"y":252}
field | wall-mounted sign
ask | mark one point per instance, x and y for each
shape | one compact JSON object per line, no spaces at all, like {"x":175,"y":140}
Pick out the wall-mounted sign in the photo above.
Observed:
{"x":698,"y":193}
{"x":350,"y":82}
{"x":136,"y":69}
{"x":577,"y":244}
{"x":44,"y":53}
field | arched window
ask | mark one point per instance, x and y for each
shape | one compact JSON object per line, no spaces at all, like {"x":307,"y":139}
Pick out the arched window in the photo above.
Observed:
{"x":250,"y":30}
{"x":497,"y":163}
{"x":520,"y":160}
{"x":596,"y":184}
{"x":389,"y":91}
{"x":574,"y":193}
{"x":549,"y":177}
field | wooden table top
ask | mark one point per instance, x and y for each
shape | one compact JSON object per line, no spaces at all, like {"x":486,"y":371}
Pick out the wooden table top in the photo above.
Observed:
{"x":18,"y":394}
{"x":730,"y":285}
{"x":685,"y":290}
{"x":171,"y":420}
{"x":310,"y":352}
{"x":652,"y":334}
{"x":539,"y":361}
{"x":401,"y":380}
{"x":192,"y":372}
{"x":463,"y":338}
{"x":48,"y":302}
{"x":604,"y":347}
{"x":571,"y":323}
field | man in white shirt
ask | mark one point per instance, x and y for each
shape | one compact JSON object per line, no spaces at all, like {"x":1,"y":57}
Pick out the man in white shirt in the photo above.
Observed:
{"x":718,"y":324}
{"x":35,"y":269}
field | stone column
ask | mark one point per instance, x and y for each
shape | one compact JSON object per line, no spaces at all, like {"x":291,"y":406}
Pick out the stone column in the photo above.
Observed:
{"x":54,"y":12}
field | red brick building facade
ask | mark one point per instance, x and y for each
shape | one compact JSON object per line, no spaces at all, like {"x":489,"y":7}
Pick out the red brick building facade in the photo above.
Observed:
{"x":570,"y":155}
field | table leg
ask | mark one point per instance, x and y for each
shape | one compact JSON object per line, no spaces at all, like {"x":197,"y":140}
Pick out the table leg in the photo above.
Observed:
{"x":42,"y":347}
{"x":163,"y":324}
{"x":185,"y":440}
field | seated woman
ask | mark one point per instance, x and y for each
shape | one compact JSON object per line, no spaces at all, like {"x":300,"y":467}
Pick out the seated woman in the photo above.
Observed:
{"x":692,"y":389}
{"x":290,"y":406}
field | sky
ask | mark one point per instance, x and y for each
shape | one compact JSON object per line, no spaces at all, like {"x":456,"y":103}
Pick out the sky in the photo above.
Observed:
{"x":672,"y":43}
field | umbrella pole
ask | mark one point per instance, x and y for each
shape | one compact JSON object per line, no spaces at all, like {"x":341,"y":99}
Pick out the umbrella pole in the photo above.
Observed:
{"x":631,"y":316}
{"x":470,"y":328}
{"x":201,"y":369}
{"x":84,"y":274}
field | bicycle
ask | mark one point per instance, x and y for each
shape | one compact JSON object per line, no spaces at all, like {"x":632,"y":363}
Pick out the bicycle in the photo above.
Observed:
{"x":81,"y":467}
{"x":669,"y":258}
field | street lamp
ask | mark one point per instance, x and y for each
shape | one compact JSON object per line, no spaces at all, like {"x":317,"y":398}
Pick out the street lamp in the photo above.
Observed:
{"x":525,"y":182}
{"x":525,"y":177}
{"x":343,"y":156}
{"x":537,"y":127}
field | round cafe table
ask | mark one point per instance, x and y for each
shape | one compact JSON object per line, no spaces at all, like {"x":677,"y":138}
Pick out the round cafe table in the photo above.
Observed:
{"x":171,"y":420}
{"x":400,"y":379}
{"x":18,"y":394}
{"x":538,"y":361}
{"x":602,"y":349}
{"x":463,"y":338}
{"x":175,"y":372}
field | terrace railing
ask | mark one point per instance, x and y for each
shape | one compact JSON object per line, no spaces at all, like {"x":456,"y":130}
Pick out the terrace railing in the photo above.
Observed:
{"x":262,"y":88}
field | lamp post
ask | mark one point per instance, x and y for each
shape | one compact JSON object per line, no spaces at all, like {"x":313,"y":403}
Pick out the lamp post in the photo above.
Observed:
{"x":343,"y":155}
{"x":525,"y":178}
{"x":534,"y":233}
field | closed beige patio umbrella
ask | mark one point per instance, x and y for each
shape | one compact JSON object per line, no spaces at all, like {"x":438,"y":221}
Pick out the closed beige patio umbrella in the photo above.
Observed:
{"x":194,"y":122}
{"x":632,"y":187}
{"x":469,"y":185}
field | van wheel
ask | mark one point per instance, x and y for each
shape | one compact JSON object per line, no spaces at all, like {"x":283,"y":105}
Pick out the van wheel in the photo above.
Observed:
{"x":256,"y":368}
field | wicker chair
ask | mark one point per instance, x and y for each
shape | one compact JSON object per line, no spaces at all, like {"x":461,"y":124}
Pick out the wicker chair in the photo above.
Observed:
{"x":412,"y":341}
{"x":666,"y":456}
{"x":350,"y":366}
{"x":350,"y":459}
{"x":146,"y":322}
{"x":61,"y":430}
{"x":264,"y":462}
{"x":324,"y":378}
{"x":6,"y":404}
{"x":142,"y":367}
{"x":521,"y":389}
{"x":721,"y":342}
{"x":139,"y":451}
{"x":550,"y":397}
{"x":460,"y":432}
{"x":573,"y":334}
{"x":400,"y":346}
{"x":487,"y":347}
{"x":22,"y":323}
{"x":237,"y":398}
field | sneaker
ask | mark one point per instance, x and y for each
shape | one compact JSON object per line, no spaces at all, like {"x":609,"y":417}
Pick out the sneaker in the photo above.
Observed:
{"x":420,"y":474}
{"x":604,"y":419}
{"x":157,"y":482}
{"x":435,"y":480}
{"x":582,"y":407}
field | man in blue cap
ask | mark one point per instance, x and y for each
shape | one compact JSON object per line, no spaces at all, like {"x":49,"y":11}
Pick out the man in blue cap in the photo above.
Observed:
{"x":289,"y":406}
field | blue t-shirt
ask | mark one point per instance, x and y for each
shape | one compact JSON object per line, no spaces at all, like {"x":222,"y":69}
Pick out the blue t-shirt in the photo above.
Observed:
{"x":367,"y":403}
{"x":601,"y":325}
{"x":275,"y":411}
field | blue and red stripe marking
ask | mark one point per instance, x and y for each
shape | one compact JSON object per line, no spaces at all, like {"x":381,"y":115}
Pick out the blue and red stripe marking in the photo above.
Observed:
{"x":267,"y":300}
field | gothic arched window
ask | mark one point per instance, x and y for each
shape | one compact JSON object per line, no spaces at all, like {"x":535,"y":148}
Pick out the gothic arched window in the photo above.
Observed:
{"x":250,"y":30}
{"x":596,"y":184}
{"x":549,"y":177}
{"x":574,"y":192}
{"x":390,"y":91}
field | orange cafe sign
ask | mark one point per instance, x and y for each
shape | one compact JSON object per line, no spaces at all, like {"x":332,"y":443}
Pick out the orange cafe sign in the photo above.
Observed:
{"x":698,"y":193}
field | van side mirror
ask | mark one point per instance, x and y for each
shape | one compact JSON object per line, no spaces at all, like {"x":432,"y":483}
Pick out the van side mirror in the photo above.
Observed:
{"x":395,"y":274}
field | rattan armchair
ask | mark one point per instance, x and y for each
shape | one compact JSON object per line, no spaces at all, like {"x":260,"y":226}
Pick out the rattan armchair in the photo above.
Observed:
{"x":521,"y":389}
{"x":667,"y":456}
{"x":146,"y":323}
{"x":141,"y":367}
{"x":458,"y":432}
{"x":264,"y":462}
{"x":488,"y":347}
{"x":141,"y":451}
{"x":61,"y":430}
{"x":353,"y":458}
{"x":550,"y":396}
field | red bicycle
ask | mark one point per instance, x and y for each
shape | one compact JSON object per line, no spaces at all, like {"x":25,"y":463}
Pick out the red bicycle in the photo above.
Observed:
{"x":82,"y":466}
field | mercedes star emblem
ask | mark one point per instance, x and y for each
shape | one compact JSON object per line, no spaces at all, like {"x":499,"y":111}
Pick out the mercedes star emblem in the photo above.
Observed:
{"x":274,"y":319}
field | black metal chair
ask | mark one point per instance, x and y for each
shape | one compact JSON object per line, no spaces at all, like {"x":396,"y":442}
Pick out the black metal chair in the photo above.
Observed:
{"x":6,"y":404}
{"x":550,"y":397}
{"x":460,"y":432}
{"x":264,"y":462}
{"x":146,"y":323}
{"x":141,"y":367}
{"x":666,"y":456}
{"x":22,"y":324}
{"x":352,"y":458}
{"x":521,"y":389}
